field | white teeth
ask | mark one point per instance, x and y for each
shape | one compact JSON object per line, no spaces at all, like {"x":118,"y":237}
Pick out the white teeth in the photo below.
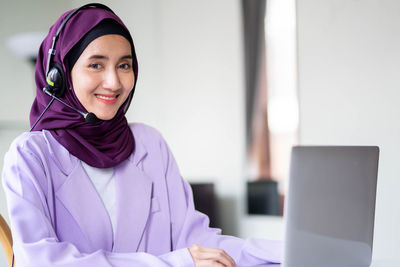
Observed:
{"x":106,"y":97}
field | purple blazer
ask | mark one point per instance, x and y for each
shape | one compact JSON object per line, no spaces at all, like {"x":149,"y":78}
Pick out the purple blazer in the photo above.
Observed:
{"x":58,"y":219}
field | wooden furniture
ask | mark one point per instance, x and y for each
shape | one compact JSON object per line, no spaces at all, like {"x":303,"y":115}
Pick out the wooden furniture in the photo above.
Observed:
{"x":6,"y":240}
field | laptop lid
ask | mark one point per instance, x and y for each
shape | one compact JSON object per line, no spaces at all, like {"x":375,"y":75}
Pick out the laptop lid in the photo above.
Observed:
{"x":330,"y":206}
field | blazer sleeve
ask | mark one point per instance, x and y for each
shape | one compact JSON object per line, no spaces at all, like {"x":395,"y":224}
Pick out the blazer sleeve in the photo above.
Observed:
{"x":192,"y":227}
{"x":35,"y":240}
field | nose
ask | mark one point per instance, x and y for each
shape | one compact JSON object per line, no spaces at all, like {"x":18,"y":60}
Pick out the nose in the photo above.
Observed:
{"x":111,"y":80}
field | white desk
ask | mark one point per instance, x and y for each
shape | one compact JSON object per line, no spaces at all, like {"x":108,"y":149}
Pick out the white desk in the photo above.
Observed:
{"x":375,"y":263}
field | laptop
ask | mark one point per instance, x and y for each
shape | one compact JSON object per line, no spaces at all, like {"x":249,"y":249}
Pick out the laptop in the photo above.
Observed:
{"x":330,"y":206}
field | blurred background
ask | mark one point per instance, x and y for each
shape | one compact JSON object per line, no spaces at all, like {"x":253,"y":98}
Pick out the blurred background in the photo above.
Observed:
{"x":233,"y":84}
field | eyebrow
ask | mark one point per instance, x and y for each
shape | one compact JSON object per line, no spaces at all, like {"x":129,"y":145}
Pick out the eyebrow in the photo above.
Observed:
{"x":105,"y":57}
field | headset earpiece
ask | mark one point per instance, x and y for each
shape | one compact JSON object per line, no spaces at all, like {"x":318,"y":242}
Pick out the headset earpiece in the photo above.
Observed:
{"x":56,"y":80}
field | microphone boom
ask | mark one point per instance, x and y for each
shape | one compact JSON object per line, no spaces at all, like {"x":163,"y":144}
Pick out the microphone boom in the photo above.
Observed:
{"x":89,"y":117}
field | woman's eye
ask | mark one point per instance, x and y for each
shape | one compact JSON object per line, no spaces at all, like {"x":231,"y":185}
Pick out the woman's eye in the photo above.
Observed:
{"x":125,"y":66}
{"x":95,"y":66}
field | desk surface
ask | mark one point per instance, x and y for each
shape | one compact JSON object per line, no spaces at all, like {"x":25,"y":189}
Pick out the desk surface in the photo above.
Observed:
{"x":377,"y":263}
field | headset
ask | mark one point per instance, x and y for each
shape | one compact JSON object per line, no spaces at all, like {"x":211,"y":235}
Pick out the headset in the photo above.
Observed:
{"x":55,"y":76}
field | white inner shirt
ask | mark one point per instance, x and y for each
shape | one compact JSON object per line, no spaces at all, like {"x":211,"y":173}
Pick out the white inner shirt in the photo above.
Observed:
{"x":104,"y":182}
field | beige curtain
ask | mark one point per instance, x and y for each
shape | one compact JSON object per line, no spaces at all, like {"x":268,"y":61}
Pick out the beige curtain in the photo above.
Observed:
{"x":258,"y":141}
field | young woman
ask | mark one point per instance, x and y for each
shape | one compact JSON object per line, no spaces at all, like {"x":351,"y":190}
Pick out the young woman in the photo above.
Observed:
{"x":84,"y":187}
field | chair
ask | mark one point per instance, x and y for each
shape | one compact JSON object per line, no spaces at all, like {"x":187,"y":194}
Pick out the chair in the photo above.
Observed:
{"x":6,"y":240}
{"x":263,"y":197}
{"x":205,"y":201}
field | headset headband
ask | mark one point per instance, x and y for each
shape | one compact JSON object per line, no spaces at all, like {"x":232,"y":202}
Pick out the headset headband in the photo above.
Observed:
{"x":52,"y":51}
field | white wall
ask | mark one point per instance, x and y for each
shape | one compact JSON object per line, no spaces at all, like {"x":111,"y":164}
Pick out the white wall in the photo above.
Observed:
{"x":348,"y":62}
{"x":190,"y":87}
{"x":16,"y":74}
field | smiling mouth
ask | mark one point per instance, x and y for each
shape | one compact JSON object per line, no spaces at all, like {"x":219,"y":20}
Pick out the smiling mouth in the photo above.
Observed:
{"x":107,"y":99}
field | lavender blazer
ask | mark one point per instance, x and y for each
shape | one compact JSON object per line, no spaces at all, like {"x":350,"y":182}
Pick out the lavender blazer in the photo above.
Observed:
{"x":58,"y":219}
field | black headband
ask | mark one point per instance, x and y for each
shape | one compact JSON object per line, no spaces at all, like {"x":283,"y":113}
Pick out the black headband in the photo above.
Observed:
{"x":107,"y":26}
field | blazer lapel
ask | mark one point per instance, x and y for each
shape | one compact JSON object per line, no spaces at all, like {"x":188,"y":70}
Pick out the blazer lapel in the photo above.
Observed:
{"x":133,"y":190}
{"x":81,"y":199}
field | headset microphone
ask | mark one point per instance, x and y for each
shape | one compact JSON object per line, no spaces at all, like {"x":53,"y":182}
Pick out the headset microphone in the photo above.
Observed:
{"x":89,"y":117}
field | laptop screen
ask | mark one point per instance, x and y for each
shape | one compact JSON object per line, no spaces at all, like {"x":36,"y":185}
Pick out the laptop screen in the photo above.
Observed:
{"x":331,"y":206}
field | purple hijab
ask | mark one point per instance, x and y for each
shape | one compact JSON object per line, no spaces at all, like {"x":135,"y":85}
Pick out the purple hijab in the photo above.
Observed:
{"x":104,"y":144}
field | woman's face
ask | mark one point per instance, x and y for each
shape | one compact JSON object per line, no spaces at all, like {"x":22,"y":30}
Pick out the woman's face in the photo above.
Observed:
{"x":103,"y":77}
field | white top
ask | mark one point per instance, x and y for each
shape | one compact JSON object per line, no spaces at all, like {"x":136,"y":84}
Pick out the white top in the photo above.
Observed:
{"x":104,"y":182}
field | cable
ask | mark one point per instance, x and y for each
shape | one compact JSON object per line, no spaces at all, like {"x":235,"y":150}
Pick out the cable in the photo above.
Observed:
{"x":52,"y":100}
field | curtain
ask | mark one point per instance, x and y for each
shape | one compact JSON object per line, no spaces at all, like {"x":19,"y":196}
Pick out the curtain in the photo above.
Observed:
{"x":257,"y":131}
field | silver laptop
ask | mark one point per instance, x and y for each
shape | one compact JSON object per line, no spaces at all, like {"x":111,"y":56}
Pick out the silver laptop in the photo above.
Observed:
{"x":330,"y":206}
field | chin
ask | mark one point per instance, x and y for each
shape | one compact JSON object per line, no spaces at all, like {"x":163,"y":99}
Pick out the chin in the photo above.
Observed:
{"x":105,"y":117}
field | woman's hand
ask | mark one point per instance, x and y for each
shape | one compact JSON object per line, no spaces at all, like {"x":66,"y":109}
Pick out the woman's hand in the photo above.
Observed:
{"x":210,"y":257}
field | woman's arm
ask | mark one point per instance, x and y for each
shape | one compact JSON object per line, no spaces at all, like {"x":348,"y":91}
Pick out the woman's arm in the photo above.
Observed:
{"x":192,"y":227}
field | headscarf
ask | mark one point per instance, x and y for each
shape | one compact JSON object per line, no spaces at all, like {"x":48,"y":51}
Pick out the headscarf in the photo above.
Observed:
{"x":104,"y":144}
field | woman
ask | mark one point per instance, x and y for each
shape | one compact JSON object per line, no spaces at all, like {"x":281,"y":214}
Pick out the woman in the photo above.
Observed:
{"x":103,"y":192}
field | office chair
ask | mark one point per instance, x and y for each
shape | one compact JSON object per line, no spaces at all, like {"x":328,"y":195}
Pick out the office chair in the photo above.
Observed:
{"x":205,"y":201}
{"x":6,"y":240}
